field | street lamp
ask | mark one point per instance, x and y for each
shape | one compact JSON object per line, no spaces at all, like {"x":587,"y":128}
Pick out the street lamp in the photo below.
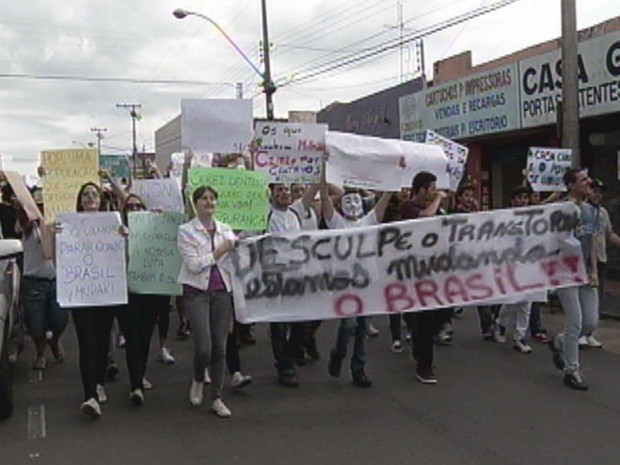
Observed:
{"x":268,"y":85}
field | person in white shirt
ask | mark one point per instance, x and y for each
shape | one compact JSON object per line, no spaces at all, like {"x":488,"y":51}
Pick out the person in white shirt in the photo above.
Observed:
{"x":286,"y":339}
{"x":352,"y":217}
{"x":206,"y":293}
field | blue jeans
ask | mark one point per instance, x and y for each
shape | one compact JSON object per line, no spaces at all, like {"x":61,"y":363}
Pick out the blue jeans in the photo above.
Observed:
{"x":580,"y":305}
{"x":210,"y":314}
{"x":41,"y":311}
{"x":352,"y":327}
{"x":286,"y":342}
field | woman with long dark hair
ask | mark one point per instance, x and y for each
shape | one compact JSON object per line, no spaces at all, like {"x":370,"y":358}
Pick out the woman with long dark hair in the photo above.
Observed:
{"x":93,"y":325}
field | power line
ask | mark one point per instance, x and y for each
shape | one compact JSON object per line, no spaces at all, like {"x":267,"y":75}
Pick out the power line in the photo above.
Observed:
{"x":391,"y":45}
{"x":348,"y":48}
{"x":49,"y":77}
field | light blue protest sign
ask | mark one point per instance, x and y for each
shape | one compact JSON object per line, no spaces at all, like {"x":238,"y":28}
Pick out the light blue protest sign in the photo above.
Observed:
{"x":154,"y":260}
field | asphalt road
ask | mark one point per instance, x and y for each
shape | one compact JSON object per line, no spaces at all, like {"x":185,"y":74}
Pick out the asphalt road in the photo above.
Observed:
{"x":491,"y":406}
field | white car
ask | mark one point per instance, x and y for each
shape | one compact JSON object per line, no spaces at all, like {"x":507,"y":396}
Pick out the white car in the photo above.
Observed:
{"x":10,"y":250}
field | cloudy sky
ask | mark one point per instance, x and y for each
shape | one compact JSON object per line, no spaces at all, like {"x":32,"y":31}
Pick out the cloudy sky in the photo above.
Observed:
{"x":104,"y":52}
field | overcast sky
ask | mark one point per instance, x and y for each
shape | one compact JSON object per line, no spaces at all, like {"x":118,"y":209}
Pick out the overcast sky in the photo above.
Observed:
{"x":141,"y":40}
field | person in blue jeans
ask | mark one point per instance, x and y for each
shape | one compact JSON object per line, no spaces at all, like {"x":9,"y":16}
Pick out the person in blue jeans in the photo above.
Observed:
{"x":352,"y":217}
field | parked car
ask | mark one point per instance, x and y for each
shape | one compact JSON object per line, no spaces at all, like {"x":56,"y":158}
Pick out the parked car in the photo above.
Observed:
{"x":10,"y":251}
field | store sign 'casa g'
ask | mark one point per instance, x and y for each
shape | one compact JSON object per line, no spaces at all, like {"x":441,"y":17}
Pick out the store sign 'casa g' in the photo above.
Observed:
{"x":521,"y":95}
{"x":599,"y":82}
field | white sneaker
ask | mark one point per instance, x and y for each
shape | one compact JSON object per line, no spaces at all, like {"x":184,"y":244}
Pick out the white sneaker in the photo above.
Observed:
{"x":207,"y":377}
{"x":397,"y":347}
{"x":166,"y":357}
{"x":521,"y":346}
{"x":594,"y":343}
{"x":136,"y":397}
{"x":582,"y":341}
{"x":499,"y":334}
{"x":147,"y":385}
{"x":91,"y":408}
{"x":102,"y":398}
{"x":372,"y":331}
{"x":195,"y":393}
{"x":220,"y":409}
{"x":239,"y":380}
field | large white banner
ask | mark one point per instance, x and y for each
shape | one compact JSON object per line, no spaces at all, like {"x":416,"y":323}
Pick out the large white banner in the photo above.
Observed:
{"x":457,"y":157}
{"x":406,"y":266}
{"x":216,"y":125}
{"x":546,"y":168}
{"x":90,"y":259}
{"x":160,"y":194}
{"x":289,"y":152}
{"x":376,"y":163}
{"x":599,"y":81}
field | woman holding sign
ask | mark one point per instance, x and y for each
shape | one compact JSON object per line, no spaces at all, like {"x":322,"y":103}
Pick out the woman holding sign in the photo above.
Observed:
{"x":206,"y":291}
{"x":93,"y":325}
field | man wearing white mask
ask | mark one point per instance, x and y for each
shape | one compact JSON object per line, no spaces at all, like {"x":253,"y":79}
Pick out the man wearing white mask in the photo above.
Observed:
{"x":352,"y":217}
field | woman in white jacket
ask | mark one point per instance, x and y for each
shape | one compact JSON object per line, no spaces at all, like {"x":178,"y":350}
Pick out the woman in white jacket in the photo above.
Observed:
{"x":206,"y":291}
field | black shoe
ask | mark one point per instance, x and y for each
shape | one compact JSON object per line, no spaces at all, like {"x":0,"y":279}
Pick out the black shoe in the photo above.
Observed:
{"x":360,"y":379}
{"x":183,"y":331}
{"x":335,"y":365}
{"x":575,"y":381}
{"x":111,"y":371}
{"x":288,"y":380}
{"x":246,"y":338}
{"x":556,"y":355}
{"x":426,"y":376}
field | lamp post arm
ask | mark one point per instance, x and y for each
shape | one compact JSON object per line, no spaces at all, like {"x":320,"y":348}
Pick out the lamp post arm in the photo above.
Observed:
{"x":230,"y":41}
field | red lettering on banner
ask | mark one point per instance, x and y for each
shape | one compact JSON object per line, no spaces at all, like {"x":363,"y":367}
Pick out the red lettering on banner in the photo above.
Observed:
{"x":497,"y":274}
{"x":453,"y":286}
{"x":394,"y":293}
{"x":341,"y":302}
{"x":516,"y":285}
{"x":475,"y":283}
{"x":572,"y":263}
{"x":550,"y":268}
{"x":427,"y":288}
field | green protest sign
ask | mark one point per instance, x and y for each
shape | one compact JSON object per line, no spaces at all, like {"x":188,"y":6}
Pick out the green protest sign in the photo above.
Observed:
{"x":243,"y":202}
{"x":154,"y":260}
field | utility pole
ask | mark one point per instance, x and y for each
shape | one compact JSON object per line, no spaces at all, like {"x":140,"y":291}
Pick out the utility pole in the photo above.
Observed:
{"x":134,"y":115}
{"x":268,"y":86}
{"x":99,"y":134}
{"x":570,"y":82}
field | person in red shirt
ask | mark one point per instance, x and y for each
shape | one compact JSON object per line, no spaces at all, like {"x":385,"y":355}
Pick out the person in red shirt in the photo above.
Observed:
{"x":425,"y":201}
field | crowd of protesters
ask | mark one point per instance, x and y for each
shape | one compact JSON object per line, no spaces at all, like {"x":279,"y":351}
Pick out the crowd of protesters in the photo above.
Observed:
{"x":206,"y":308}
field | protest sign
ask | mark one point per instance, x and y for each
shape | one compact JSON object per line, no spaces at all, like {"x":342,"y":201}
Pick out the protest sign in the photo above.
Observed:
{"x":154,"y":260}
{"x":424,"y":157}
{"x":243,"y":201}
{"x":375,"y":163}
{"x":363,"y":162}
{"x":116,"y":165}
{"x":406,"y":266}
{"x":546,"y":168}
{"x":90,"y":254}
{"x":23,"y":195}
{"x":216,"y":125}
{"x":457,"y":157}
{"x":65,"y":172}
{"x":290,"y":152}
{"x":163,"y":194}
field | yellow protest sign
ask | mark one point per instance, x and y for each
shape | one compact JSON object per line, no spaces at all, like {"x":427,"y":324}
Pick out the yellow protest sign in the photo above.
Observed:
{"x":65,"y":172}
